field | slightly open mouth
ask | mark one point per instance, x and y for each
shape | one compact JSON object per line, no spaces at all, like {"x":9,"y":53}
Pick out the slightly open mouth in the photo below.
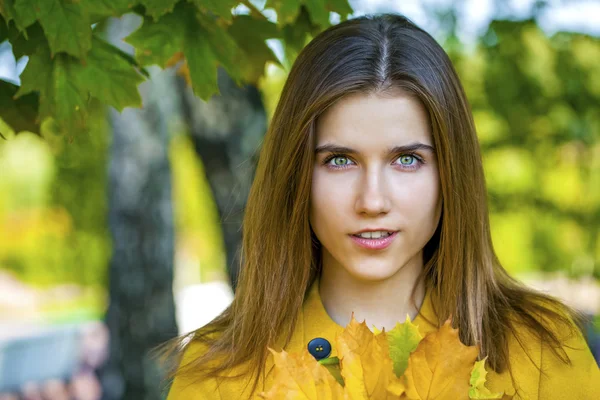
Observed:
{"x":373,"y":235}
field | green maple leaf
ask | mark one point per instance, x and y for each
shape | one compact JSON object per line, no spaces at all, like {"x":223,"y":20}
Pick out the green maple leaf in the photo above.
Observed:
{"x":403,"y":340}
{"x":250,"y":35}
{"x":226,"y":51}
{"x":203,"y":42}
{"x":21,"y":11}
{"x":66,"y":85}
{"x":221,"y":8}
{"x":114,"y":8}
{"x":296,"y":35}
{"x":26,"y":42}
{"x":6,"y":10}
{"x":478,"y":379}
{"x":65,"y":22}
{"x":59,"y":95}
{"x":110,"y":77}
{"x":155,"y":42}
{"x":158,"y":8}
{"x":19,"y":114}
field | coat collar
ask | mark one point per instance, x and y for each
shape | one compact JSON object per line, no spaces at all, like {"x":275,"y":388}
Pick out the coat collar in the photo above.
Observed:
{"x":313,"y":321}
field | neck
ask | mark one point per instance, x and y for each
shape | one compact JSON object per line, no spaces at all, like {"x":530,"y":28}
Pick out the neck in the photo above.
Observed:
{"x":382,"y":303}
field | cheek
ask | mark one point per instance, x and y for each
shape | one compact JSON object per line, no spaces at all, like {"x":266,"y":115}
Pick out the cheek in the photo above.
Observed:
{"x":327,"y":202}
{"x":419,"y":198}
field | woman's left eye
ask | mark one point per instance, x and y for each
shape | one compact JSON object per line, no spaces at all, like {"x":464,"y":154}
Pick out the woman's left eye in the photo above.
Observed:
{"x":408,"y":160}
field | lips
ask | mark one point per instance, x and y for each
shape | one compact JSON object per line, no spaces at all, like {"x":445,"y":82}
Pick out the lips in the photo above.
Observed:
{"x":379,"y":243}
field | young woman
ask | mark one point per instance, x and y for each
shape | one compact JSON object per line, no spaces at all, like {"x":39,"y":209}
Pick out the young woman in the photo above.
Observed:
{"x":369,"y":197}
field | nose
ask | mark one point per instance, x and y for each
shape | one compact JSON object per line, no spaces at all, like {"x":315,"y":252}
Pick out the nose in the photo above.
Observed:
{"x":372,"y":197}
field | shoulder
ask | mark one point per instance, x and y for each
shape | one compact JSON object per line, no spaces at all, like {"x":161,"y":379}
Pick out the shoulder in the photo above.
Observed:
{"x":563,"y":370}
{"x":190,"y":384}
{"x":577,"y":378}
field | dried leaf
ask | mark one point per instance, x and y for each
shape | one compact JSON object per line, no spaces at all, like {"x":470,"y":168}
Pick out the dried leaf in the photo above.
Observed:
{"x":365,"y":362}
{"x":440,"y":367}
{"x":300,"y":376}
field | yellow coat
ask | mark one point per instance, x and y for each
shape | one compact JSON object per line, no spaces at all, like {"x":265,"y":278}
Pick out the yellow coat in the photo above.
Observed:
{"x":581,"y":381}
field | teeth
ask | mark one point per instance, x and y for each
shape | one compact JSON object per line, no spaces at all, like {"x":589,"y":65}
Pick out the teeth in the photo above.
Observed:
{"x":374,"y":235}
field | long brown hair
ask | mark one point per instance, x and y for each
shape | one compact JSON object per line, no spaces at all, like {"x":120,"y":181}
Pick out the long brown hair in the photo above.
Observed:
{"x":281,"y":255}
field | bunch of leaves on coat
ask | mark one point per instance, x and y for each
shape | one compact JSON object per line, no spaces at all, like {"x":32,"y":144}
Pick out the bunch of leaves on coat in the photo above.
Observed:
{"x":70,"y":64}
{"x":399,"y":364}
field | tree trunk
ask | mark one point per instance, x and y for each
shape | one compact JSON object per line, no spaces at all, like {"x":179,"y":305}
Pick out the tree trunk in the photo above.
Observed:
{"x":227,"y":132}
{"x":141,"y":314}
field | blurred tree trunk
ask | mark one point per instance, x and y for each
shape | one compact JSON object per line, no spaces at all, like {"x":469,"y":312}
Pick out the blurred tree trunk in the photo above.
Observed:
{"x":227,"y":132}
{"x":141,"y":311}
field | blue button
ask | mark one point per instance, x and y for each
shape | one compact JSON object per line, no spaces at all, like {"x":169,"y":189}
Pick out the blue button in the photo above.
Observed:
{"x":320,"y":348}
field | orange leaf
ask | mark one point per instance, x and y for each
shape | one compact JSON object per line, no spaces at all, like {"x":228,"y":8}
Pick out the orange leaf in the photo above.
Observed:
{"x":300,"y":376}
{"x":365,"y":362}
{"x":440,"y":367}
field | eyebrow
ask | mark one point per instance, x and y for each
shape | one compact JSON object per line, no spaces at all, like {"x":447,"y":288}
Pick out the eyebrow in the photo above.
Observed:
{"x":332,"y":148}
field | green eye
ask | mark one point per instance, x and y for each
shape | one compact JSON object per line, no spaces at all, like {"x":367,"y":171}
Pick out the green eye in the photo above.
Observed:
{"x":406,"y":160}
{"x":340,"y":160}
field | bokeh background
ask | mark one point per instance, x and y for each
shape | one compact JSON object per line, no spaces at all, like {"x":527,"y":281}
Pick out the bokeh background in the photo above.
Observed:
{"x":90,"y":227}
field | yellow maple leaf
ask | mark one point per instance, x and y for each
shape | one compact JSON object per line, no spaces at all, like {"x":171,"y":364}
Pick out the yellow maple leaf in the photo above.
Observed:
{"x":440,"y":367}
{"x":365,"y":363}
{"x":301,"y":377}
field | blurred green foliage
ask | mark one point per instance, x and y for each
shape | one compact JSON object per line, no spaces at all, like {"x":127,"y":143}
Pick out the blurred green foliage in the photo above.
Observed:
{"x":535,"y":103}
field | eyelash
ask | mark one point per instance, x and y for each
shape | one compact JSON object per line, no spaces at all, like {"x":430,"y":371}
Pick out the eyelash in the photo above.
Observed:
{"x":419,"y":161}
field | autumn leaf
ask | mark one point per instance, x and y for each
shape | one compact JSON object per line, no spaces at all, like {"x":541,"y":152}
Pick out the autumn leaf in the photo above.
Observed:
{"x":403,"y":340}
{"x":300,"y":376}
{"x":365,"y":362}
{"x":440,"y":367}
{"x":478,"y":378}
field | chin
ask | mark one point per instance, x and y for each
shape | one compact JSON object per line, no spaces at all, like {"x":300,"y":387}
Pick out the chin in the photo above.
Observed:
{"x":370,"y":271}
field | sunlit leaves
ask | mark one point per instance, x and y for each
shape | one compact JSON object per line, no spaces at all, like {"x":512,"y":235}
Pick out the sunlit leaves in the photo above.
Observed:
{"x":439,"y":367}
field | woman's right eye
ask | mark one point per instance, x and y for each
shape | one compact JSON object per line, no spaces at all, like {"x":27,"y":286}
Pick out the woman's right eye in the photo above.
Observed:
{"x":338,"y":161}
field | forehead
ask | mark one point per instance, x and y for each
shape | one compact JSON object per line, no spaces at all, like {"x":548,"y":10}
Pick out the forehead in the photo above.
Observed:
{"x":387,"y":119}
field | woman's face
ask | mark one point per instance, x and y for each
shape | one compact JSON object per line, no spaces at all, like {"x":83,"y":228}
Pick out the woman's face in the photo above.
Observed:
{"x":376,"y":174}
